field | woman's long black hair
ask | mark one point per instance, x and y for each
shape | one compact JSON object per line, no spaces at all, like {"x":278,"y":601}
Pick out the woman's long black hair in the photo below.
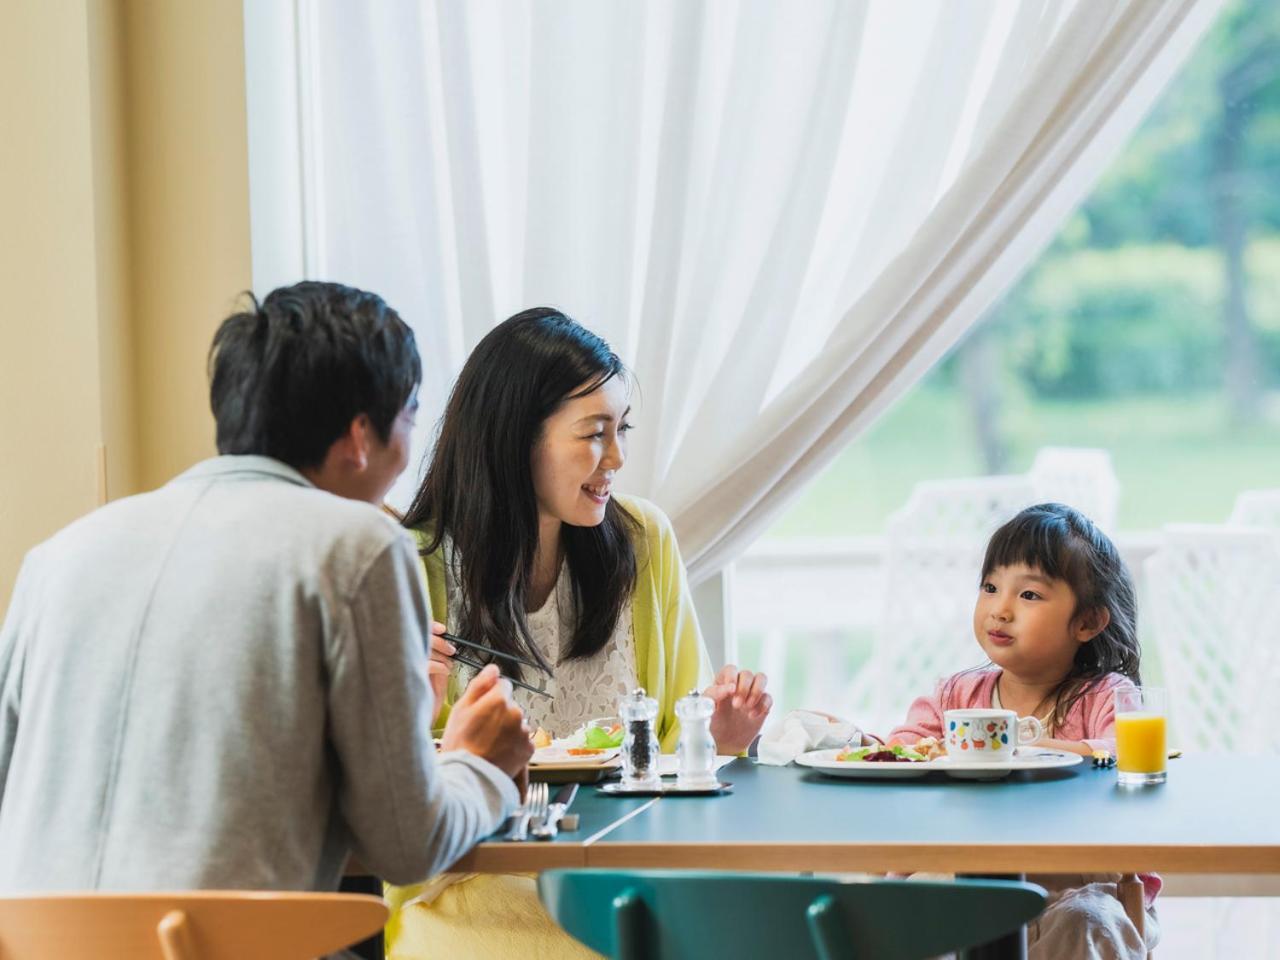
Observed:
{"x":1063,"y":544}
{"x":478,"y":490}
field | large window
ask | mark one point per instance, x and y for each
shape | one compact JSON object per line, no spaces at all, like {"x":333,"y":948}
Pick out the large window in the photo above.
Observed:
{"x":1150,"y":329}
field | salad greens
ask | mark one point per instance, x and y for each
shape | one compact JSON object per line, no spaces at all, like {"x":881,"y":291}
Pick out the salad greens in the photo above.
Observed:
{"x":604,"y":738}
{"x":898,"y":751}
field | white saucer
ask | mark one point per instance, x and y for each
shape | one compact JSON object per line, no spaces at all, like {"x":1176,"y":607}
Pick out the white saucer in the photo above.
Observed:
{"x":1029,"y":759}
{"x":824,"y":761}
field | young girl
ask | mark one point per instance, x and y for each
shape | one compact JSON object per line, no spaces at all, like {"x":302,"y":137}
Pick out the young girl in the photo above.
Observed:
{"x":527,"y":548}
{"x":1056,"y":618}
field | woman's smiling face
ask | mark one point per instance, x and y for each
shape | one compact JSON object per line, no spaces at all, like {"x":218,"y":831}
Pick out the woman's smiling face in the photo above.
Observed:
{"x":583,"y":444}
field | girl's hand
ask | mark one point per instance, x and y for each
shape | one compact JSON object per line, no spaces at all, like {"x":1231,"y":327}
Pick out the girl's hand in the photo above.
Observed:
{"x":438,"y":667}
{"x":741,"y":708}
{"x":1069,"y":746}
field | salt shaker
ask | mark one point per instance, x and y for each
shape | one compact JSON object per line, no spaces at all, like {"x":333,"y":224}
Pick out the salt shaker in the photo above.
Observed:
{"x":639,"y":712}
{"x":696,"y":750}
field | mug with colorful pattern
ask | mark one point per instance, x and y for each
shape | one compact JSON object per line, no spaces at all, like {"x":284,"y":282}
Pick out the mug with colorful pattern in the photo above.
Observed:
{"x":981,"y":736}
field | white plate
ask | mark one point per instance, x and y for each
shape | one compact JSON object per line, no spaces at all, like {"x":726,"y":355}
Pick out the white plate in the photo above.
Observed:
{"x":1031,"y":759}
{"x":825,"y":761}
{"x":561,"y":757}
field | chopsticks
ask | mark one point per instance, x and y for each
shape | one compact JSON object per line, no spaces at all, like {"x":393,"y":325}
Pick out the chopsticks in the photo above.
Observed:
{"x":480,"y":665}
{"x":458,"y":641}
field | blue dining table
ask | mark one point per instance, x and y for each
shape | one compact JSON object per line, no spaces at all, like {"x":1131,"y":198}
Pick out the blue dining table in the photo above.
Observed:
{"x":1215,"y":815}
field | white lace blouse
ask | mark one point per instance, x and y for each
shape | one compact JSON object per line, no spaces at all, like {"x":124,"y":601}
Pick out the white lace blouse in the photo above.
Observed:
{"x":582,"y":689}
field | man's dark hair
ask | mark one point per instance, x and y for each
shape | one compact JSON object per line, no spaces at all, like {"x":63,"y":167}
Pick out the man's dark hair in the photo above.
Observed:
{"x":287,"y":377}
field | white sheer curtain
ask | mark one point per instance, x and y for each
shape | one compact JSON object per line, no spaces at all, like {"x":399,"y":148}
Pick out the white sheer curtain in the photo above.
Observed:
{"x":780,"y":214}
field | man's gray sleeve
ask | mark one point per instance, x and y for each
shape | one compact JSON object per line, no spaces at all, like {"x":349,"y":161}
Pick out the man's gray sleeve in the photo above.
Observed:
{"x":411,"y":813}
{"x":11,"y":660}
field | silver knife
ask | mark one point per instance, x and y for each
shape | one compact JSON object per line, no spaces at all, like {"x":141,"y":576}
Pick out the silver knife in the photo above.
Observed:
{"x":550,"y":825}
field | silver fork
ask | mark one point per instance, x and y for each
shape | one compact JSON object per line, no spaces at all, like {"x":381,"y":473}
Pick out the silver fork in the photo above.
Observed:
{"x":534,"y":809}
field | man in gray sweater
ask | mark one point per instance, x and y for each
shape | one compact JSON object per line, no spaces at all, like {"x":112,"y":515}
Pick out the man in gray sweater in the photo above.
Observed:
{"x":223,"y":683}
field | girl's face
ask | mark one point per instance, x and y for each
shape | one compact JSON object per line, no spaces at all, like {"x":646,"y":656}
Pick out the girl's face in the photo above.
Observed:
{"x":1026,"y":624}
{"x":583,"y":444}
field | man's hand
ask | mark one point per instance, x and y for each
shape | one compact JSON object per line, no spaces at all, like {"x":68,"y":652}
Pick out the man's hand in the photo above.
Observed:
{"x":741,"y":708}
{"x":438,"y":667}
{"x":485,"y":721}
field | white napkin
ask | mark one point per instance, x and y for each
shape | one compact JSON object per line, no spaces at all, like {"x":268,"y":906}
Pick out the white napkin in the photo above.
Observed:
{"x":800,"y":731}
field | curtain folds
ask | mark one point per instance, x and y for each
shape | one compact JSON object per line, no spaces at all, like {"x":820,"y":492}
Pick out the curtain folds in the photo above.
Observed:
{"x":781,"y":215}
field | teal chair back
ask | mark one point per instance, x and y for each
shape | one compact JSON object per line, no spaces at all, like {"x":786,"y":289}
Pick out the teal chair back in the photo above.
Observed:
{"x":674,"y":915}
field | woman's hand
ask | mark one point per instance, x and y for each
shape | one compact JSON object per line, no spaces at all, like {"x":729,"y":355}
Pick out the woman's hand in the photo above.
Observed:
{"x":438,"y":667}
{"x":741,"y":708}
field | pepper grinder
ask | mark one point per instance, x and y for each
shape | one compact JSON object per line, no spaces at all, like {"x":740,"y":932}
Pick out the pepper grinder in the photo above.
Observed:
{"x":696,"y":750}
{"x":639,"y":712}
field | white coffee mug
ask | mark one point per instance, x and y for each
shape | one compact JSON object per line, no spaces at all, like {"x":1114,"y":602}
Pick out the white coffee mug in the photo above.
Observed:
{"x":983,"y":736}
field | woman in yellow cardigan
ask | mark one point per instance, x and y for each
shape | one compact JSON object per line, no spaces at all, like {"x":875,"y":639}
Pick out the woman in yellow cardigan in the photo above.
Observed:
{"x":527,"y":549}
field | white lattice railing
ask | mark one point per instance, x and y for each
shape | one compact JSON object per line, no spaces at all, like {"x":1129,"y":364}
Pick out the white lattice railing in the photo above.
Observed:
{"x":799,"y":606}
{"x":860,"y":626}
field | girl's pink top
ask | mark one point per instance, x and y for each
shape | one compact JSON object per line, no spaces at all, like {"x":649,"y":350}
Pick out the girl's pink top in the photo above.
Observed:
{"x":1092,"y":720}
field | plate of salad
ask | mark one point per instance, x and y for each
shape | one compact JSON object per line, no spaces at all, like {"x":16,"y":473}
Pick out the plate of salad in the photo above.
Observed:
{"x":882,"y":762}
{"x":596,"y":742}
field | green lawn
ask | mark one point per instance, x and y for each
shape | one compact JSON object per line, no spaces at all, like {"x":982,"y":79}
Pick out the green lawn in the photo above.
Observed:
{"x":1178,"y":459}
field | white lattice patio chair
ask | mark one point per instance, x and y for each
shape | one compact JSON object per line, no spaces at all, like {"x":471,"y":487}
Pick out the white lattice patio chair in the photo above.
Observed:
{"x":1080,"y":477}
{"x":933,"y":556}
{"x":1213,"y":599}
{"x":1257,"y":508}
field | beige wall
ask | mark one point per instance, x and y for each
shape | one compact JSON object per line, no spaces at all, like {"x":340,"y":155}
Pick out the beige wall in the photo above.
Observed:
{"x":189,"y":178}
{"x":124,"y":186}
{"x":49,"y":377}
{"x":118,"y":471}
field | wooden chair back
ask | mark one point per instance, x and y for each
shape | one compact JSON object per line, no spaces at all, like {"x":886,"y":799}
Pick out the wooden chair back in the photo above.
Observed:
{"x":204,"y":925}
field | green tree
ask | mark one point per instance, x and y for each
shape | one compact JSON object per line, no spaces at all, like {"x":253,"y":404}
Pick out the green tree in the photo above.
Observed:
{"x":1204,"y":170}
{"x":1114,"y":305}
{"x":1248,"y":84}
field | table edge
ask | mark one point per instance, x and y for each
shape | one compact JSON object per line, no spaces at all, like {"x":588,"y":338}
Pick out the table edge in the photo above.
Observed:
{"x":532,"y":855}
{"x":940,"y":858}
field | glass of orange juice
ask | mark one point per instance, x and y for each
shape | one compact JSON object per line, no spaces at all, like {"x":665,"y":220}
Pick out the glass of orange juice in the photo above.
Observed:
{"x":1142,"y":750}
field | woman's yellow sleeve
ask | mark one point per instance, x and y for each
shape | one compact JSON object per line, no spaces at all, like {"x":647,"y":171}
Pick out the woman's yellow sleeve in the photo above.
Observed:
{"x":668,"y":638}
{"x":433,"y":578}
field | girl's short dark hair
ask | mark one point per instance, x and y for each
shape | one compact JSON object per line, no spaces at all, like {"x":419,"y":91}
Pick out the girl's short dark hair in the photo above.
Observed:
{"x":1063,"y":544}
{"x":287,"y":377}
{"x":478,"y":490}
